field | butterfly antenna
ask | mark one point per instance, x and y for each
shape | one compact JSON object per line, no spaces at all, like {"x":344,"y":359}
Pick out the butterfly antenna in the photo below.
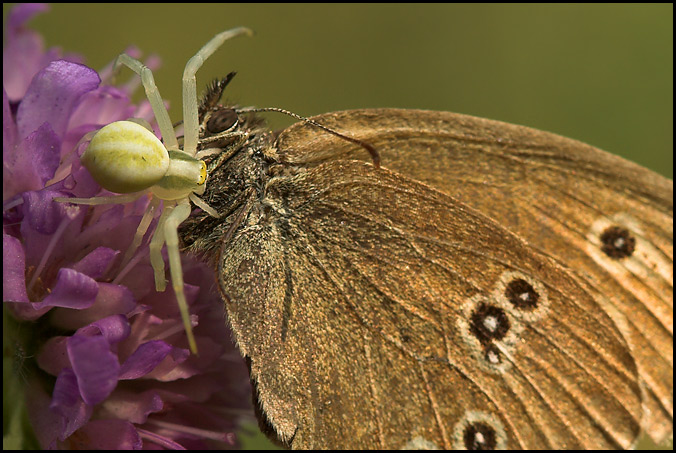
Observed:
{"x":375,"y":156}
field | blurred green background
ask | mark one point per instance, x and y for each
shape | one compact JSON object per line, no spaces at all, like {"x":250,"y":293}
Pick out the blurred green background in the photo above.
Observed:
{"x":602,"y":74}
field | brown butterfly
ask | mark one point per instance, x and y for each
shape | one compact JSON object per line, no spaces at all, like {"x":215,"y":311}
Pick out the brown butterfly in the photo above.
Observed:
{"x":483,"y":286}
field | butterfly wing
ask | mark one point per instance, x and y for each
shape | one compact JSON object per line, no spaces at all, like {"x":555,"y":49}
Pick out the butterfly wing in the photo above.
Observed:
{"x":377,"y":312}
{"x":608,"y":219}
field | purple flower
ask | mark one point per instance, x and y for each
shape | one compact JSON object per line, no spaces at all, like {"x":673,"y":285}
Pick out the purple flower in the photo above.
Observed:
{"x":24,"y":56}
{"x":112,"y":369}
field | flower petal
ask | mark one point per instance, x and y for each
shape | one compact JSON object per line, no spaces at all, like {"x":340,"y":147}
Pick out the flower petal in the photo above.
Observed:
{"x":131,"y":406}
{"x":66,"y":401}
{"x":113,"y":328}
{"x":41,"y":212}
{"x":13,"y":270}
{"x":53,"y":95}
{"x":29,"y":164}
{"x":24,"y":54}
{"x":21,"y":14}
{"x":53,"y":357}
{"x":100,"y":107}
{"x":106,"y":435}
{"x":95,"y":367}
{"x":146,"y":357}
{"x":9,"y":132}
{"x":45,"y":422}
{"x":110,"y":300}
{"x":96,"y":262}
{"x":72,"y":290}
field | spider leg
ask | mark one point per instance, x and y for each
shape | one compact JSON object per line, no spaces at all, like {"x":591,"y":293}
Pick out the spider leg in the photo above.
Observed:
{"x":113,"y":199}
{"x":203,"y":205}
{"x":211,"y":145}
{"x":85,"y":138}
{"x":190,"y":113}
{"x":153,"y":94}
{"x":174,"y":219}
{"x":155,"y":246}
{"x":141,"y":230}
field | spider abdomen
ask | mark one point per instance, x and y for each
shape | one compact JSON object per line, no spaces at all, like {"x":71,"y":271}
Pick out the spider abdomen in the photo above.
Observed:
{"x":125,"y":157}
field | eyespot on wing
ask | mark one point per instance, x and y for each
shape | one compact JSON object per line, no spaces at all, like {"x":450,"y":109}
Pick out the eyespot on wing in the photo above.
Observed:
{"x":125,"y":157}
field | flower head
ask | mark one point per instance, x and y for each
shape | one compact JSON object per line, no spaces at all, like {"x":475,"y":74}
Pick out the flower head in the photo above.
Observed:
{"x":112,"y":369}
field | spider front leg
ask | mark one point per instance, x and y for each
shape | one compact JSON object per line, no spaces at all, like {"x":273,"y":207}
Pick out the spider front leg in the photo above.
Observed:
{"x":153,"y":95}
{"x":190,"y":112}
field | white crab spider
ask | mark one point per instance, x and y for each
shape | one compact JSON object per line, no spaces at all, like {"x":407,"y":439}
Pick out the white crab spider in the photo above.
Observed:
{"x":127,"y":158}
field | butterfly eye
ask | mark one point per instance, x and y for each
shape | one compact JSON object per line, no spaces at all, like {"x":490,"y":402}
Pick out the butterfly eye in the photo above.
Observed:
{"x":522,"y":294}
{"x":489,"y":323}
{"x":222,"y":120}
{"x":617,"y":242}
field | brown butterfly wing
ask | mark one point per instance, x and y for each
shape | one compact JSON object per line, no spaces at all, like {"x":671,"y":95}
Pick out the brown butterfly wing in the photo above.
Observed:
{"x":375,"y":312}
{"x":558,"y":194}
